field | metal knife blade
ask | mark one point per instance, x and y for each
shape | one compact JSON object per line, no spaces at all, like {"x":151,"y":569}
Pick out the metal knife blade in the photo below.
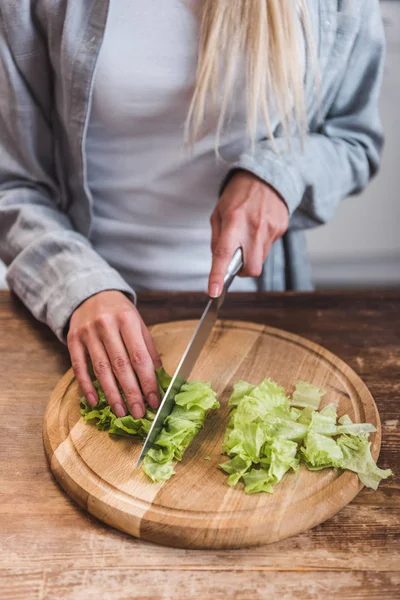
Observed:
{"x":191,"y":355}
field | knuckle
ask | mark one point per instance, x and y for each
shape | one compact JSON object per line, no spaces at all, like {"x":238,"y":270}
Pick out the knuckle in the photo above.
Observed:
{"x":139,"y":358}
{"x":101,"y":367}
{"x":83,"y":330}
{"x":255,"y":221}
{"x":72,"y":336}
{"x":222,"y":252}
{"x":103,"y":322}
{"x":78,"y":368}
{"x":120,"y":363}
{"x":233,"y":215}
{"x":125,"y":317}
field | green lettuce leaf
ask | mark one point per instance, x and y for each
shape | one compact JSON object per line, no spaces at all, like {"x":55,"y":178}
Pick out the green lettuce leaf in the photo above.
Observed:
{"x":236,"y":468}
{"x":356,"y":456}
{"x":320,"y":450}
{"x":128,"y":426}
{"x":197,"y":394}
{"x":187,"y":417}
{"x":269,"y":434}
{"x":279,"y":456}
{"x":307,"y":394}
{"x":291,"y":430}
{"x":101,"y":414}
{"x":163,"y":379}
{"x":158,"y":471}
{"x":356,"y":428}
{"x":257,"y":480}
{"x":324,"y":422}
{"x":240,"y":389}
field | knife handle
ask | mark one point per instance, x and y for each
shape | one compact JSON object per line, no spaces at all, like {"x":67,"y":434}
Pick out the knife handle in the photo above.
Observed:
{"x":234,"y":267}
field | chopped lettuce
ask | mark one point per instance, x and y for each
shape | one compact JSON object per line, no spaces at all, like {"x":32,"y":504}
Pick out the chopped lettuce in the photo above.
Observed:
{"x":192,"y":403}
{"x":269,"y":434}
{"x":158,"y":471}
{"x":236,"y":468}
{"x":307,"y":394}
{"x":357,"y":457}
{"x":240,"y":389}
{"x":320,"y":450}
{"x":257,"y":480}
{"x":128,"y":426}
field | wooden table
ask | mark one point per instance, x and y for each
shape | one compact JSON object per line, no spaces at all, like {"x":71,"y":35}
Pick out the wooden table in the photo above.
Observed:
{"x":51,"y":549}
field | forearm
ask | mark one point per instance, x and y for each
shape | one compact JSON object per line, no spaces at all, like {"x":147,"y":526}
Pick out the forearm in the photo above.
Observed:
{"x":52,"y":268}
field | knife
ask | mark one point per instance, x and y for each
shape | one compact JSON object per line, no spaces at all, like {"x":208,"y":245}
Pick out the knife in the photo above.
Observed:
{"x":191,"y":354}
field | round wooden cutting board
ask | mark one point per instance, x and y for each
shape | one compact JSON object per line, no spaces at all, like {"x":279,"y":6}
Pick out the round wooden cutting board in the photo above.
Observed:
{"x":196,"y":508}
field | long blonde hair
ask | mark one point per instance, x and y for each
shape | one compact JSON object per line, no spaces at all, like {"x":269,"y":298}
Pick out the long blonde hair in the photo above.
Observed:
{"x":263,"y":35}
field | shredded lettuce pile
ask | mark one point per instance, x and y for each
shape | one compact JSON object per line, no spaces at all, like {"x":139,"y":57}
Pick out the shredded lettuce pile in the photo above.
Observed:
{"x":192,"y":403}
{"x":269,"y":434}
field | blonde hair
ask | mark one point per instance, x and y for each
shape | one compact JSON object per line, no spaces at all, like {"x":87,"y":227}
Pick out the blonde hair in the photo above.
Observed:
{"x":262,"y":35}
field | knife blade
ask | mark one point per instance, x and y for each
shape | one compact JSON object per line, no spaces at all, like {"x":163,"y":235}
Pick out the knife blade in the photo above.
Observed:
{"x":191,"y":355}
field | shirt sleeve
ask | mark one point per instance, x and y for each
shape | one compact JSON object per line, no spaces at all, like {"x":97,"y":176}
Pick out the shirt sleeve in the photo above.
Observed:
{"x":343,"y":154}
{"x":51,"y":267}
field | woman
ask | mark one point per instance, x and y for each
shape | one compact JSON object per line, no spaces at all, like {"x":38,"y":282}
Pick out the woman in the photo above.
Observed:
{"x":99,"y":194}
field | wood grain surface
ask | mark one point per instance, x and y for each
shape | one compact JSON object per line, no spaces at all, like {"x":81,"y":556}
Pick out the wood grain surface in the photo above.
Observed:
{"x":196,"y":508}
{"x":52,"y":549}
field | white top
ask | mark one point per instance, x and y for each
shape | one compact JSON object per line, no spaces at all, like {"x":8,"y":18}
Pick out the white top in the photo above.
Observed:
{"x":152,"y":200}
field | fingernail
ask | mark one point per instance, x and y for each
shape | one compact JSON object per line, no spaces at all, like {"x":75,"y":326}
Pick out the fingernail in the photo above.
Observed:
{"x":119,"y":410}
{"x":137,"y":411}
{"x":214,"y":290}
{"x":91,"y":398}
{"x":153,"y":400}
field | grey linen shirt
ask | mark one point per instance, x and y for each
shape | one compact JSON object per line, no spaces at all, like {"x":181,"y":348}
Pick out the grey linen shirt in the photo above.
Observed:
{"x":48,"y":53}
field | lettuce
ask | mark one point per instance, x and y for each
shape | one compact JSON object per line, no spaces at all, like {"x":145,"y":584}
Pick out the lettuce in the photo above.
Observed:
{"x":236,"y":468}
{"x":320,"y":450}
{"x":105,"y":420}
{"x":307,"y":394}
{"x":192,"y":403}
{"x":257,"y":480}
{"x":357,"y":457}
{"x":158,"y":471}
{"x":269,"y":434}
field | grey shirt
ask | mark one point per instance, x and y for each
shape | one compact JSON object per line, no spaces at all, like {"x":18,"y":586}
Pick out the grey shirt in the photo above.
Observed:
{"x":48,"y":55}
{"x":152,"y":197}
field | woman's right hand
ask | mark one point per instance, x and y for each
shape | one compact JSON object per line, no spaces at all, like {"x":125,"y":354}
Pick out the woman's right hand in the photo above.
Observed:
{"x":109,"y":329}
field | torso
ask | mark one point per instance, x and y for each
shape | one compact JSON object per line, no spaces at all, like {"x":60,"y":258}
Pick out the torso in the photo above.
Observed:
{"x":152,"y":199}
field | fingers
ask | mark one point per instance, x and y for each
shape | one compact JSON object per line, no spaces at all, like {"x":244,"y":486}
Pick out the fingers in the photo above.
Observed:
{"x":123,"y":372}
{"x":151,"y":347}
{"x":141,"y":359}
{"x":110,"y":330}
{"x":251,"y":214}
{"x":222,"y":256}
{"x":215,"y":230}
{"x":80,"y":367}
{"x":104,"y":373}
{"x":254,"y":254}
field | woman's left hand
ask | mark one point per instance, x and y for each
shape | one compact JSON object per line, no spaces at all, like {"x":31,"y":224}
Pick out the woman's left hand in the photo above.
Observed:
{"x":249,"y":214}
